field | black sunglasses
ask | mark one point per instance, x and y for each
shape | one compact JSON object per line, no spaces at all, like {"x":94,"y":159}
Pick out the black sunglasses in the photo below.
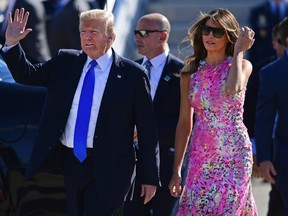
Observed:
{"x":145,"y":33}
{"x":217,"y":32}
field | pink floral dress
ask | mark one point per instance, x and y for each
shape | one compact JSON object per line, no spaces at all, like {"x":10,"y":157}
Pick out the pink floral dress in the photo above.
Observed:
{"x":220,"y":153}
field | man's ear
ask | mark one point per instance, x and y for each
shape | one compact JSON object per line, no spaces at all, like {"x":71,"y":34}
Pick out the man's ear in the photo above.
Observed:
{"x":286,"y":42}
{"x":164,"y":36}
{"x":111,"y":38}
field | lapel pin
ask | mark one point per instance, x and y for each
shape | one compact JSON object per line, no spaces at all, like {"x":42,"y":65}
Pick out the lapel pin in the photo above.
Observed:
{"x":167,"y":78}
{"x":119,"y":76}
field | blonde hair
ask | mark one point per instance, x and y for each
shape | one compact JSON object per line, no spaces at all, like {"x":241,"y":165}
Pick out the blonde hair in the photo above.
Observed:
{"x":98,"y":14}
{"x":220,"y":16}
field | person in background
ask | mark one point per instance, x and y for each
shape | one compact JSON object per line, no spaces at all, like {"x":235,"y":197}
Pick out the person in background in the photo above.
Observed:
{"x":63,"y":24}
{"x":151,"y":38}
{"x":271,"y":136}
{"x":262,"y":18}
{"x":276,"y":42}
{"x":36,"y":44}
{"x":275,"y":204}
{"x":252,"y":91}
{"x":94,"y":100}
{"x":213,"y":84}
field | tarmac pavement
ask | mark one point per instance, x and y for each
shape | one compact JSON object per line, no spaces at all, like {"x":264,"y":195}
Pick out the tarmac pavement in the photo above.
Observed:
{"x":261,"y":195}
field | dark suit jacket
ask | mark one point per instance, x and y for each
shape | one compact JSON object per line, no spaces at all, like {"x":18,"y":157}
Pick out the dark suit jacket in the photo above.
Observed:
{"x":251,"y":96}
{"x":272,"y":99}
{"x":166,"y":106}
{"x":261,"y":20}
{"x":126,"y":102}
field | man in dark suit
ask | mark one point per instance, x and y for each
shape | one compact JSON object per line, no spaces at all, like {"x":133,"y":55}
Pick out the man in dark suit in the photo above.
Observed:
{"x":252,"y":92}
{"x":275,"y":206}
{"x":36,"y":44}
{"x":97,"y":177}
{"x":272,"y":100}
{"x":151,"y":37}
{"x":262,"y":19}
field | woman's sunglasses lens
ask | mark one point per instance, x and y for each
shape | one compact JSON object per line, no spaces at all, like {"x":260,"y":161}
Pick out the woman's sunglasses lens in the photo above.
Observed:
{"x":217,"y":32}
{"x":205,"y":30}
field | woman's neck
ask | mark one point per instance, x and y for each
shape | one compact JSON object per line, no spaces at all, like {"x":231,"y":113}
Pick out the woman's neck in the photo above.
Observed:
{"x":215,"y":58}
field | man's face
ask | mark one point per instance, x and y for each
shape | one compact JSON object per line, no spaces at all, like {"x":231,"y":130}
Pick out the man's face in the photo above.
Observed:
{"x":278,"y":47}
{"x":149,"y":44}
{"x":94,"y":41}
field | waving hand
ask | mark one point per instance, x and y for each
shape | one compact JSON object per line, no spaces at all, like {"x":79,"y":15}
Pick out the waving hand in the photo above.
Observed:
{"x":16,"y":29}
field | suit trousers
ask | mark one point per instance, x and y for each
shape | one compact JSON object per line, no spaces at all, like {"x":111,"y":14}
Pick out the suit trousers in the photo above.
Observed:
{"x":275,"y":206}
{"x":82,"y":198}
{"x":162,"y":204}
{"x":281,"y":184}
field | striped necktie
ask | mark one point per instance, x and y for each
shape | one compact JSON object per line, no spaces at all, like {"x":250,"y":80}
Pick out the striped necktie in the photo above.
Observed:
{"x":148,"y":66}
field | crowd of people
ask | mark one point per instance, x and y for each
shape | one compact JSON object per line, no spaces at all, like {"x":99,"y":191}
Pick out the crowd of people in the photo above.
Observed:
{"x":268,"y":20}
{"x":158,"y":135}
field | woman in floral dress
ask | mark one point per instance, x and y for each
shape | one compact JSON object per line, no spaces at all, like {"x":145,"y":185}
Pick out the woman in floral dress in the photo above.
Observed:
{"x":213,"y":84}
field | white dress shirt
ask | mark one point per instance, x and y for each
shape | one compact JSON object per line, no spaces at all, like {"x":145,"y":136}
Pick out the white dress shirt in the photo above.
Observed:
{"x":158,"y":64}
{"x":101,"y":75}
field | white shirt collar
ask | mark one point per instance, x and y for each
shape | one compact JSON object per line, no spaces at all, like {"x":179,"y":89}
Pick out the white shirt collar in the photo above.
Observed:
{"x":158,"y":60}
{"x":103,"y":61}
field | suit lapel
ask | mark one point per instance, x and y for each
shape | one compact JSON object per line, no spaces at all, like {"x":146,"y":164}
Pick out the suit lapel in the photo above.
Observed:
{"x":164,"y":81}
{"x":113,"y":84}
{"x":74,"y":78}
{"x":77,"y":68}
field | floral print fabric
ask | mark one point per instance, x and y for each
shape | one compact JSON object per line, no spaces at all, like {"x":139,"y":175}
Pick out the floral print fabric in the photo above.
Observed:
{"x":220,"y":153}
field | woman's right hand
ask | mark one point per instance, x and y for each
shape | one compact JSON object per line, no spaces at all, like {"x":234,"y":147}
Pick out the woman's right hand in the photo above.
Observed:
{"x":16,"y":29}
{"x":175,"y":186}
{"x":245,"y":39}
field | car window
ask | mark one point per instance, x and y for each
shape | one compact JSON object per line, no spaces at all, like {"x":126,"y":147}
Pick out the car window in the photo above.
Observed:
{"x":5,"y":74}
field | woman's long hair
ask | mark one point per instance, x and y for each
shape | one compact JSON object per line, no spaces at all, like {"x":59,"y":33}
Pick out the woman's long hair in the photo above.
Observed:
{"x":220,"y":16}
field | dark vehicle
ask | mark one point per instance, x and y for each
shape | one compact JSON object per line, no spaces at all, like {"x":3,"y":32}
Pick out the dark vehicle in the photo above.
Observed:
{"x":20,"y":111}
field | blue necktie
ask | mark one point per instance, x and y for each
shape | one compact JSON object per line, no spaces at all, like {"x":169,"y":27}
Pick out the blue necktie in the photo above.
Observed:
{"x":83,"y":114}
